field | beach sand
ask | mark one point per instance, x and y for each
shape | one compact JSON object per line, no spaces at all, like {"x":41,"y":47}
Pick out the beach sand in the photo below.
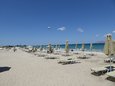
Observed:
{"x":30,"y":70}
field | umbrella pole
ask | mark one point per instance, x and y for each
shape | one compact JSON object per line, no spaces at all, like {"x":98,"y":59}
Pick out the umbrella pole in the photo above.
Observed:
{"x":110,"y":64}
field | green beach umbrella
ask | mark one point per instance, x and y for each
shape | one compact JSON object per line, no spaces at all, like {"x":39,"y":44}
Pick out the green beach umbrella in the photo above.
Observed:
{"x":67,"y":47}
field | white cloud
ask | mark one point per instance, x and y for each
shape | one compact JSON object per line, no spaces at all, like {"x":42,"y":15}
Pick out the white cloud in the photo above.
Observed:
{"x":49,"y":27}
{"x":80,"y":30}
{"x":61,"y":29}
{"x":113,"y":31}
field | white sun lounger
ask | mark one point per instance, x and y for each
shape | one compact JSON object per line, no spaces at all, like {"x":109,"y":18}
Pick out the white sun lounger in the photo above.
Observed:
{"x":102,"y":69}
{"x":82,"y":57}
{"x":63,"y":62}
{"x":99,"y":69}
{"x":51,"y":57}
{"x":108,"y":59}
{"x":111,"y":74}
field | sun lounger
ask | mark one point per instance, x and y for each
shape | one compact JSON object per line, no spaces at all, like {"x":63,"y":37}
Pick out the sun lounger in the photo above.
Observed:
{"x":111,"y":74}
{"x":51,"y":57}
{"x":76,"y":52}
{"x":82,"y":57}
{"x":99,"y":70}
{"x":114,"y":61}
{"x":68,"y":61}
{"x":108,"y":59}
{"x":1,"y":48}
{"x":91,"y":54}
{"x":65,"y":54}
{"x":41,"y":55}
{"x":64,"y":62}
{"x":102,"y":70}
{"x":56,"y":53}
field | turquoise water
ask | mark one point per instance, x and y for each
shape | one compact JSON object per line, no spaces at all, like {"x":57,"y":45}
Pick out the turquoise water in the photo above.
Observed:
{"x":96,"y":46}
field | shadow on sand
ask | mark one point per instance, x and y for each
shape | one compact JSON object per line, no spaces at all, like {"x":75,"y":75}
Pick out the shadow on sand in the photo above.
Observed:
{"x":111,"y":79}
{"x":3,"y":69}
{"x":98,"y":73}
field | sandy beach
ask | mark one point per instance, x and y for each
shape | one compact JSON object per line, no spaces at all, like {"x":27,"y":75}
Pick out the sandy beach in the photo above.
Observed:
{"x":30,"y":70}
{"x":57,"y":42}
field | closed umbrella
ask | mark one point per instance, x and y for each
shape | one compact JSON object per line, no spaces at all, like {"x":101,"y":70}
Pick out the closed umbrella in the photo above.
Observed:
{"x":108,"y":45}
{"x":67,"y":47}
{"x":108,"y":48}
{"x":91,"y":46}
{"x":83,"y":47}
{"x":76,"y":46}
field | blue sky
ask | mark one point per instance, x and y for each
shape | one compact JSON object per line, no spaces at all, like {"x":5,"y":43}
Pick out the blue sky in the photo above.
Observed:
{"x":55,"y":21}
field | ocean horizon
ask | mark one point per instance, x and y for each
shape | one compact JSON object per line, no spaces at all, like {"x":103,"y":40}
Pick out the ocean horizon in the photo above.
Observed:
{"x":95,"y":46}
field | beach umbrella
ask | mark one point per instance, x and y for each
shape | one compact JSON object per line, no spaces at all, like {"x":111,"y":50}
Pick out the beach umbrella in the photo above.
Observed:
{"x":50,"y":50}
{"x":67,"y":47}
{"x":59,"y":46}
{"x":76,"y":46}
{"x":108,"y":48}
{"x":41,"y":48}
{"x":56,"y":47}
{"x":83,"y":46}
{"x":91,"y":46}
{"x":113,"y":46}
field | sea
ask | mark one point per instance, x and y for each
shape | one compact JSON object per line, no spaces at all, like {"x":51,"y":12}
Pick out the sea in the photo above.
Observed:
{"x":99,"y":47}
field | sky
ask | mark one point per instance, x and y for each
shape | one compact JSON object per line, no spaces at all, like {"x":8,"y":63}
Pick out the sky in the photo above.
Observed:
{"x":55,"y":21}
